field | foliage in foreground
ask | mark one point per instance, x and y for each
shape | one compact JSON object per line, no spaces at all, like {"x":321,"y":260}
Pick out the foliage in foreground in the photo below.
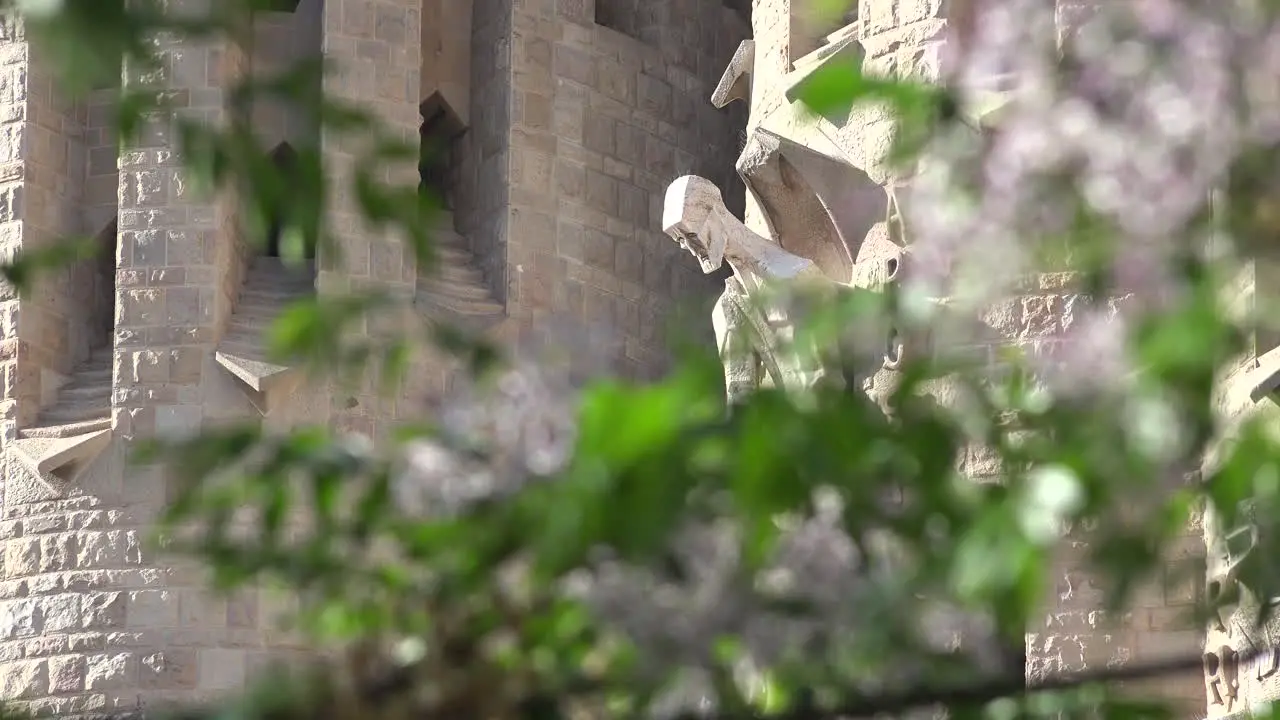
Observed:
{"x":624,"y":551}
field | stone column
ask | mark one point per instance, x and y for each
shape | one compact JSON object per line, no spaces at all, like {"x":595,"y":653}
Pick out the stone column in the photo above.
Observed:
{"x":374,"y":46}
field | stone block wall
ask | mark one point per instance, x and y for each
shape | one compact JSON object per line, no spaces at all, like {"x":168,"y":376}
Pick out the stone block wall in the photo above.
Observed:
{"x":601,"y":123}
{"x":1073,"y":632}
{"x":279,"y":41}
{"x":93,"y":621}
{"x":375,"y":48}
{"x":13,"y":57}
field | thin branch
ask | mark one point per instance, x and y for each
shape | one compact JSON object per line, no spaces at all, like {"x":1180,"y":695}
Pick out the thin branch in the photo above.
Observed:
{"x":973,"y":693}
{"x":921,"y":696}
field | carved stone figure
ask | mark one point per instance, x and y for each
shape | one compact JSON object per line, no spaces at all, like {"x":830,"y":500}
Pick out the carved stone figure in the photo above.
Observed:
{"x":751,"y":337}
{"x":1241,"y":657}
{"x":1241,"y":660}
{"x":755,"y":337}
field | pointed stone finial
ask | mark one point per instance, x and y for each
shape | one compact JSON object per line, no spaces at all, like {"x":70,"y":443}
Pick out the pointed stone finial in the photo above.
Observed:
{"x":735,"y":83}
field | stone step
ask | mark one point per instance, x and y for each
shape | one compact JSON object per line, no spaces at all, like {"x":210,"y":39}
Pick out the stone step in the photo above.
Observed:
{"x":97,"y":358}
{"x":441,"y":220}
{"x":461,"y":306}
{"x":459,"y":274}
{"x":267,"y":301}
{"x":85,"y":392}
{"x":849,"y":30}
{"x":447,"y":288}
{"x":257,"y":334}
{"x":266,"y":294}
{"x":277,"y":266}
{"x":248,"y":349}
{"x":268,"y":286}
{"x":278,"y":278}
{"x":447,"y":237}
{"x":91,"y":375}
{"x":269,"y":277}
{"x":61,"y":414}
{"x":453,"y":256}
{"x":258,"y":313}
{"x":248,"y":335}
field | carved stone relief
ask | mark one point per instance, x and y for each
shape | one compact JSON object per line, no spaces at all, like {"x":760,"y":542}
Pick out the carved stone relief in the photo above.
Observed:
{"x":1241,"y":657}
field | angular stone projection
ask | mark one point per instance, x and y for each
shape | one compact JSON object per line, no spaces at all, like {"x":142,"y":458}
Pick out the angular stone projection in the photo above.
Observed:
{"x":61,"y":458}
{"x":270,"y":286}
{"x":735,"y":84}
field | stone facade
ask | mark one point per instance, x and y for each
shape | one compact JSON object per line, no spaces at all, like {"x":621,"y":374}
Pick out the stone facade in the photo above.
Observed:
{"x":567,"y":119}
{"x":561,"y":135}
{"x":916,"y":38}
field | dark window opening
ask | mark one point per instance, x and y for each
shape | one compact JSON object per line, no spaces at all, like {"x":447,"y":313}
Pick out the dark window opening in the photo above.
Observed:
{"x":617,"y":15}
{"x":285,"y":159}
{"x":441,"y":127}
{"x":101,"y":320}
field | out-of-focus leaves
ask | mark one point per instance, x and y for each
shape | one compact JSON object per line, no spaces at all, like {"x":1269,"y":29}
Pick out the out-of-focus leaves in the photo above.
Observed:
{"x":28,"y":264}
{"x":318,"y":511}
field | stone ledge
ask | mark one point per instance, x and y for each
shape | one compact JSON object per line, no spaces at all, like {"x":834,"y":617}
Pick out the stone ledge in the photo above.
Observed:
{"x":59,"y":460}
{"x":264,"y":383}
{"x":269,"y":288}
{"x":1264,"y":377}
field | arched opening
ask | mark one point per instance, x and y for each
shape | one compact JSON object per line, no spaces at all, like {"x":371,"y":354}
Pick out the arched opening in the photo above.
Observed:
{"x":102,"y":287}
{"x":617,"y":15}
{"x":80,"y":397}
{"x":437,"y":159}
{"x":91,"y":318}
{"x":285,"y":160}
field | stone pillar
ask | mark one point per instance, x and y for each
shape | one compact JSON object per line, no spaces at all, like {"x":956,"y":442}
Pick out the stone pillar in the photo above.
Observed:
{"x":374,"y":46}
{"x":176,"y":248}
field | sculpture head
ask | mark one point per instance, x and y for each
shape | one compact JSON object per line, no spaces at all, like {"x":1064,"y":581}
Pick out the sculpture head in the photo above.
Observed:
{"x":690,"y":215}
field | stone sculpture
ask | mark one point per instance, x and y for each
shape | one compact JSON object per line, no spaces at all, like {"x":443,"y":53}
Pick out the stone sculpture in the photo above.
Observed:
{"x":754,"y":336}
{"x":1241,"y":655}
{"x":1241,"y":659}
{"x":751,"y":337}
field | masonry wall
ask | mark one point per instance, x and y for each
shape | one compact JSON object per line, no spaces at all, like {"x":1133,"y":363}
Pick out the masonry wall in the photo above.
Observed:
{"x":601,"y":123}
{"x":279,"y":41}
